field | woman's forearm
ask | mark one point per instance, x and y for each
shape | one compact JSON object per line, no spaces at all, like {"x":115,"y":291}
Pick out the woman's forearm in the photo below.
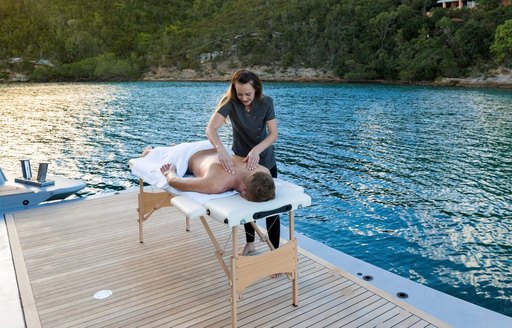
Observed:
{"x":214,"y":138}
{"x":267,"y":142}
{"x":270,"y":138}
{"x":212,"y":131}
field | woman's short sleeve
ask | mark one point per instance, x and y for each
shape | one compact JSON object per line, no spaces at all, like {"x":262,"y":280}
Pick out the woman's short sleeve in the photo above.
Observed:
{"x":225,"y":109}
{"x":270,"y":113}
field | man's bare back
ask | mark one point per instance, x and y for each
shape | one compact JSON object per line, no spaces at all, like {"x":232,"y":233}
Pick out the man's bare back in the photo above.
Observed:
{"x":204,"y":162}
{"x":209,"y":175}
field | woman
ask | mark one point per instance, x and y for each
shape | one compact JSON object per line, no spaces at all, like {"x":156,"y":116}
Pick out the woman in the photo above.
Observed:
{"x":254,"y":126}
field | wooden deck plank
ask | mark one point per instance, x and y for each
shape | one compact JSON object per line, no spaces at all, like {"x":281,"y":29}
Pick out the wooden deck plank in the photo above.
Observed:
{"x":258,"y":295}
{"x":157,"y":264}
{"x":275,"y":308}
{"x":256,"y":298}
{"x":67,"y":252}
{"x":308,"y":302}
{"x":420,"y":324}
{"x":326,"y":305}
{"x":139,"y":296}
{"x":252,"y":302}
{"x":165,"y":302}
{"x":363,"y":317}
{"x":410,"y":321}
{"x":363,"y":309}
{"x":396,"y":320}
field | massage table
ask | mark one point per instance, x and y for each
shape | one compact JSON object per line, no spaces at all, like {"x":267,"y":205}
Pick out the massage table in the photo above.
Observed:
{"x":234,"y":211}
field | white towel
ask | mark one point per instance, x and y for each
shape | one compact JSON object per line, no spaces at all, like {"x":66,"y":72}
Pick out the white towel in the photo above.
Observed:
{"x":148,"y":168}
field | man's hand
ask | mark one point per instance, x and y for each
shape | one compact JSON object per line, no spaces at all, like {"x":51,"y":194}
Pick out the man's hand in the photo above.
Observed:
{"x":168,"y":168}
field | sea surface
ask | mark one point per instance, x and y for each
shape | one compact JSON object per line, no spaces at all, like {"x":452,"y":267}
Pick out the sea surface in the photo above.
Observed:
{"x":415,"y":180}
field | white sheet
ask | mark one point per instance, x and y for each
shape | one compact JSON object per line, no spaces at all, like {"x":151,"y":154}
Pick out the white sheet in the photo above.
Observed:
{"x":148,"y":168}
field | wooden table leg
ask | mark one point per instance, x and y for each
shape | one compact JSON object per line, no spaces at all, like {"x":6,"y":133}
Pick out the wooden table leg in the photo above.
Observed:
{"x":234,"y":263}
{"x":141,"y":211}
{"x":295,"y":281}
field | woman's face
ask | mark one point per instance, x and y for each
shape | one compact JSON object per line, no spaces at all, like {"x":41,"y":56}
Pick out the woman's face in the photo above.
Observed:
{"x":245,"y":93}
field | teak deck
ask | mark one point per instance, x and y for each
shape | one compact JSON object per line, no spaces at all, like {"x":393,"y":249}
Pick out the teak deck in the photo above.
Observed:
{"x":65,"y":253}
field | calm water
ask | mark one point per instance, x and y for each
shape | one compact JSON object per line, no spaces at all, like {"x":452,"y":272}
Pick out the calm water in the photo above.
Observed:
{"x":415,"y":180}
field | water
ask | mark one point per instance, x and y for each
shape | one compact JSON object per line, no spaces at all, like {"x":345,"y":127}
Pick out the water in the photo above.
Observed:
{"x":415,"y":180}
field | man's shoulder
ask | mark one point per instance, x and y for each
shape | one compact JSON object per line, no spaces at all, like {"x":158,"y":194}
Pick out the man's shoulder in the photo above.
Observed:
{"x":219,"y":179}
{"x":216,"y":171}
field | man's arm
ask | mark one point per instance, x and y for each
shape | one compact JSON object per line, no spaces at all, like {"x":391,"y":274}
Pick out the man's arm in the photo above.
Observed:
{"x":205,"y":185}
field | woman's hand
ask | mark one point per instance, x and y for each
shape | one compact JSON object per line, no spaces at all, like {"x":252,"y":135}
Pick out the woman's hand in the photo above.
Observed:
{"x":226,"y":160}
{"x":252,"y":159}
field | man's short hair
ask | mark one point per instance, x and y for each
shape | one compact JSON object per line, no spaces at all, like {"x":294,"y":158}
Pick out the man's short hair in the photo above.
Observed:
{"x":259,"y":187}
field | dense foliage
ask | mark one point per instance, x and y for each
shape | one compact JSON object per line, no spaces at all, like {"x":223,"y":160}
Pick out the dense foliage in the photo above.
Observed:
{"x":357,"y":39}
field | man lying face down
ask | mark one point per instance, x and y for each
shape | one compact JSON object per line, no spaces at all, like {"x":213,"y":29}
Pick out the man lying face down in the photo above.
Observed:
{"x":210,"y":177}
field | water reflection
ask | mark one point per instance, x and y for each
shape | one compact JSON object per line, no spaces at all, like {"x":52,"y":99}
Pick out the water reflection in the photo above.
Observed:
{"x":59,"y":125}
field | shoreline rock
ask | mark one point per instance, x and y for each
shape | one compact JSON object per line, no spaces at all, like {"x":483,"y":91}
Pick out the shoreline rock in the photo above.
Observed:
{"x":500,"y":78}
{"x":223,"y":73}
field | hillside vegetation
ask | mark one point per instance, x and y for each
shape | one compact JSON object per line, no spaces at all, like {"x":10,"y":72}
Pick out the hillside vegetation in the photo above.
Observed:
{"x":408,"y":40}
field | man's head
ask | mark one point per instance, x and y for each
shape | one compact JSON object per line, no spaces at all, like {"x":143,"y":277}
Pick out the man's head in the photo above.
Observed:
{"x":259,"y":187}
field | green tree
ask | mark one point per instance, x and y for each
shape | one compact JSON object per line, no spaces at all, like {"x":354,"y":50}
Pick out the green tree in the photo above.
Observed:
{"x":425,"y":58}
{"x":502,"y":45}
{"x":488,"y":4}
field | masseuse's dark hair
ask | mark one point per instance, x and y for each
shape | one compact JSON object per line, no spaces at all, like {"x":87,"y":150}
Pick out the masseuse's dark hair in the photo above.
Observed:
{"x":243,"y":76}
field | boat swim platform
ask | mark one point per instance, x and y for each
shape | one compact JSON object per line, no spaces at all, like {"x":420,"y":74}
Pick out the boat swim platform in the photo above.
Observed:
{"x":64,"y":253}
